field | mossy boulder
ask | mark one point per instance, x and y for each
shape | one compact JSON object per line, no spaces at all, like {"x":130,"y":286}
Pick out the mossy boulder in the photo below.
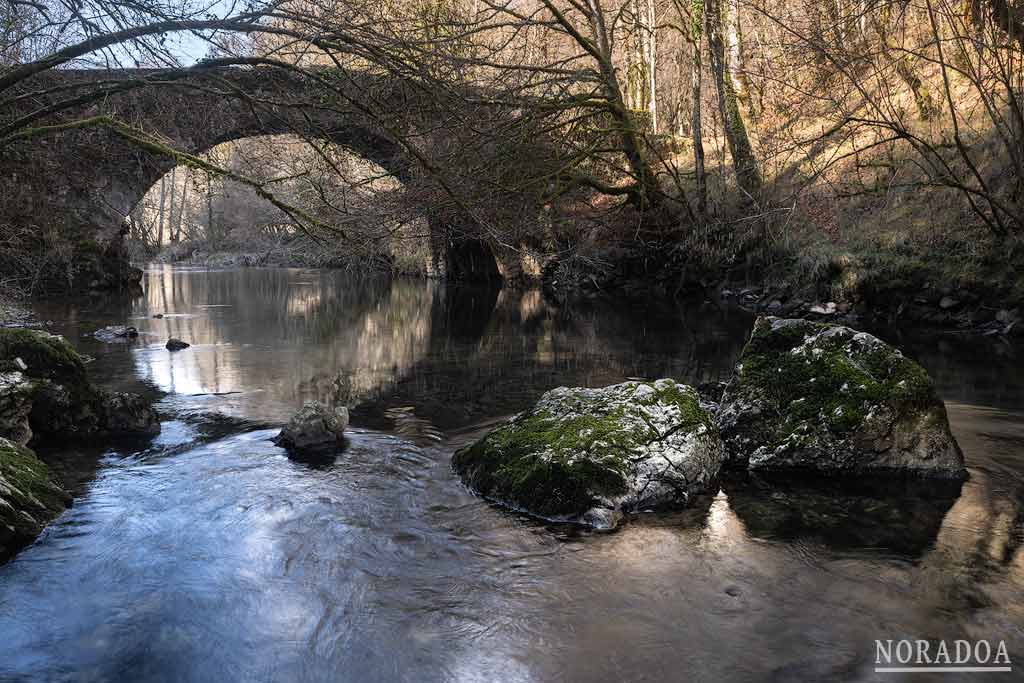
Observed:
{"x":29,"y":497}
{"x":590,"y":455}
{"x":829,"y":399}
{"x":46,"y":356}
{"x":51,"y":381}
{"x":316,"y":427}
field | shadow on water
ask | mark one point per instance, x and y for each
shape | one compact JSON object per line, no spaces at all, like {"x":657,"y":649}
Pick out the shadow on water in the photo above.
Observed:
{"x":885,"y":513}
{"x":207,"y":554}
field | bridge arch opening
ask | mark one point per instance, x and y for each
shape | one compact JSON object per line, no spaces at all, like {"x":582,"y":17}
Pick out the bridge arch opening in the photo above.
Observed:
{"x":335,"y":206}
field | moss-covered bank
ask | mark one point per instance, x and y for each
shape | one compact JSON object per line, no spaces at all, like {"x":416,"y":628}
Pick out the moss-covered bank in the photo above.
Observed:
{"x":30,"y":497}
{"x":45,"y":393}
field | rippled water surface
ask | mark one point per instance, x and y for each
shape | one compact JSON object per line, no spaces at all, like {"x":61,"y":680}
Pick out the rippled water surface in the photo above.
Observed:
{"x":208,"y":555}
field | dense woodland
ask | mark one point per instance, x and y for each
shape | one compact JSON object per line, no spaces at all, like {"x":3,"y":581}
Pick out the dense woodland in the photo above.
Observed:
{"x":855,"y":145}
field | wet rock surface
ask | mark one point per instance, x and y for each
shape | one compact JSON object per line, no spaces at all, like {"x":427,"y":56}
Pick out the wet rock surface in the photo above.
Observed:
{"x":46,"y":394}
{"x":174,"y":344}
{"x":29,"y":497}
{"x":116,"y":333}
{"x":828,"y":399}
{"x":591,"y":455}
{"x":16,"y":395}
{"x":315,"y":428}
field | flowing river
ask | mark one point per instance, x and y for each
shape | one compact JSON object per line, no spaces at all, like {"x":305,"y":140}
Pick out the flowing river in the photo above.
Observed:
{"x":206,"y":554}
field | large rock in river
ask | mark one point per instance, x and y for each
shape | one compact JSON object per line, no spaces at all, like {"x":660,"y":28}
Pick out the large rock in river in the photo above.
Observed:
{"x":29,"y":497}
{"x":50,"y":380}
{"x":316,"y":427}
{"x":590,"y":455}
{"x":828,"y":399}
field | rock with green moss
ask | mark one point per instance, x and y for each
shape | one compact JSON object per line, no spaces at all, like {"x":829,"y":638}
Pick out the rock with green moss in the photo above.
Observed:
{"x":49,"y":380}
{"x":590,"y":455}
{"x":29,"y":497}
{"x":46,"y":356}
{"x":828,"y":399}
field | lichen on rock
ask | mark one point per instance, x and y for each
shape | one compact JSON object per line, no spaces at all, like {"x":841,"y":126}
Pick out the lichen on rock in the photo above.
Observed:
{"x":590,"y":455}
{"x":830,"y":399}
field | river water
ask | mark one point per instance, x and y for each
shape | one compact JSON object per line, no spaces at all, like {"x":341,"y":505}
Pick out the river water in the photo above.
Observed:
{"x":208,"y":555}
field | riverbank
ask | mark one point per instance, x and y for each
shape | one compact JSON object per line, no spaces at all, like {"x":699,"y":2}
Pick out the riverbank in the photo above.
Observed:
{"x":211,"y":555}
{"x":14,"y":313}
{"x":958,"y":288}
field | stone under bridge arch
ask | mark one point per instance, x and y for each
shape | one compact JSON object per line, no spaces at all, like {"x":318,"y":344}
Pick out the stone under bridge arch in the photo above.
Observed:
{"x":83,"y":181}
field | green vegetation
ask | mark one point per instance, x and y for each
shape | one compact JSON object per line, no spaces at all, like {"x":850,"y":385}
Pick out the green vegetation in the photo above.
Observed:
{"x":822,"y":374}
{"x":29,"y":495}
{"x":47,"y":356}
{"x":574,"y":447}
{"x":534,"y":461}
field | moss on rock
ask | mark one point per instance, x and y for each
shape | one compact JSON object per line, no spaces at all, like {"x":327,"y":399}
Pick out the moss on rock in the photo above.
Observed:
{"x":65,"y":402}
{"x":602,"y":451}
{"x":29,"y":497}
{"x":46,"y":356}
{"x":829,"y":398}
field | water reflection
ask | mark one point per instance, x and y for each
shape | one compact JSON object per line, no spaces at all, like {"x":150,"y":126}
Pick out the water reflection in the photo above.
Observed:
{"x":208,"y":555}
{"x":885,"y":514}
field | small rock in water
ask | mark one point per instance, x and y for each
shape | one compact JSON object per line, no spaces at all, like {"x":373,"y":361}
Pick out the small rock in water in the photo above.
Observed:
{"x":316,"y":427}
{"x":824,"y":309}
{"x":124,"y":413}
{"x":174,"y":344}
{"x":116,"y":333}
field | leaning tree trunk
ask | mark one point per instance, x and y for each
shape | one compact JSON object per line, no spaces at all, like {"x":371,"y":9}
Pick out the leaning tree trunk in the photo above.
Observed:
{"x":747,"y":174}
{"x":632,"y":138}
{"x":904,"y":65}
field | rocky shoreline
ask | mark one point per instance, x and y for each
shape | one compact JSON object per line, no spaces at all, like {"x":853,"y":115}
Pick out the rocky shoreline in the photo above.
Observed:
{"x":845,"y":292}
{"x":944,"y":308}
{"x":47,"y":396}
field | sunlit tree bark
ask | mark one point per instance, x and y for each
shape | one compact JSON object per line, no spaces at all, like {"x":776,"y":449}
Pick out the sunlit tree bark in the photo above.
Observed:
{"x":748,"y":175}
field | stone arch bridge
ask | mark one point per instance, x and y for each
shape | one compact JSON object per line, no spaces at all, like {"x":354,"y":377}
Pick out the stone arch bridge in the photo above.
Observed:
{"x":83,"y":180}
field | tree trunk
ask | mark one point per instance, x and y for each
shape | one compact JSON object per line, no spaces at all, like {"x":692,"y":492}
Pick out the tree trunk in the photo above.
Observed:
{"x":651,"y":59}
{"x":734,"y":42}
{"x":170,"y":208}
{"x":181,"y":211}
{"x":631,"y":135}
{"x":904,"y":65}
{"x":160,"y":214}
{"x":747,"y":174}
{"x":211,"y":232}
{"x":696,"y":86}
